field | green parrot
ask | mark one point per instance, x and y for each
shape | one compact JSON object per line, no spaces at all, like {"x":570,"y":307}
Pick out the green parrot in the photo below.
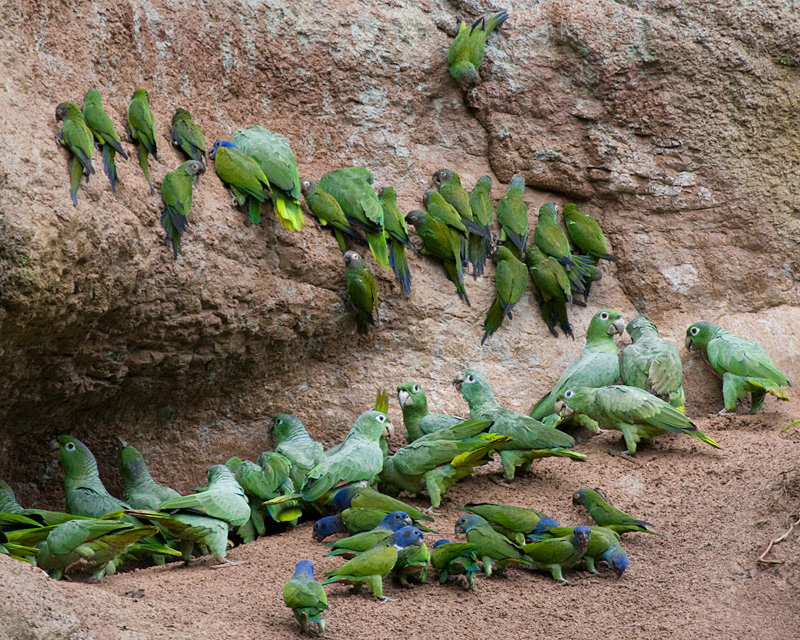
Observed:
{"x":352,"y":189}
{"x":176,"y":194}
{"x":299,"y":448}
{"x":550,"y":238}
{"x":77,"y":138}
{"x":585,"y":233}
{"x":530,"y":438}
{"x":188,"y":137}
{"x":243,"y":175}
{"x":351,"y":520}
{"x":554,"y":289}
{"x":512,"y":215}
{"x":494,"y":549}
{"x":142,"y":130}
{"x":397,"y":230}
{"x":443,"y":211}
{"x":510,"y":279}
{"x":412,"y":562}
{"x":357,"y":496}
{"x":327,"y":211}
{"x":104,"y":133}
{"x":141,"y":491}
{"x":607,"y":515}
{"x":416,"y":417}
{"x":444,"y":243}
{"x":556,"y":554}
{"x":597,"y":366}
{"x":744,"y":365}
{"x":512,"y":522}
{"x":359,"y":458}
{"x":370,"y":567}
{"x":465,"y":55}
{"x":652,"y":363}
{"x":604,"y":545}
{"x":9,"y":504}
{"x":362,"y":291}
{"x":274,"y":155}
{"x":366,"y":540}
{"x":435,"y":462}
{"x":306,"y":598}
{"x":480,"y":201}
{"x":635,"y":412}
{"x":455,"y":558}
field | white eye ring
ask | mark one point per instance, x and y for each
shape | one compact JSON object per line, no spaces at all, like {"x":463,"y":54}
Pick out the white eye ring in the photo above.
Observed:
{"x":470,"y":378}
{"x":569,"y":394}
{"x":695,"y":330}
{"x":415,"y":388}
{"x":604,"y":316}
{"x":278,"y":421}
{"x":381,"y":418}
{"x":70,"y":447}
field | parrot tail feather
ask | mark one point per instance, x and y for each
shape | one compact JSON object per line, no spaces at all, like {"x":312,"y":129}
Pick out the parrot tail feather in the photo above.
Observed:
{"x":397,"y":258}
{"x":494,"y":318}
{"x":174,"y":224}
{"x":495,"y":21}
{"x":254,"y":209}
{"x":109,"y":167}
{"x":75,"y":175}
{"x":377,"y":244}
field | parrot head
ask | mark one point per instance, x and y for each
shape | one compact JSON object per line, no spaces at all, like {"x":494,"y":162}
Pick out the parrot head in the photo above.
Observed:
{"x":533,"y":256}
{"x":327,"y":526}
{"x":406,"y":537}
{"x":502,"y":253}
{"x":580,"y":497}
{"x":285,"y":425}
{"x":387,"y":192}
{"x":352,"y":258}
{"x":617,"y":559}
{"x":581,"y":535}
{"x":473,"y":386}
{"x":410,"y":394}
{"x":484,"y":182}
{"x":304,"y":568}
{"x":217,"y":472}
{"x":221,"y":143}
{"x":308,"y":186}
{"x":343,"y":498}
{"x":439,"y":543}
{"x":75,"y":457}
{"x":542,"y":526}
{"x":92,"y":96}
{"x":468,"y":522}
{"x":395,"y":520}
{"x":67,"y":109}
{"x":571,"y":401}
{"x":442,"y":176}
{"x":181,"y":114}
{"x":517,"y":182}
{"x":234,"y":464}
{"x":640,"y":325}
{"x":141,"y":94}
{"x":417,"y":218}
{"x":373,"y":424}
{"x":607,"y":322}
{"x":699,"y":334}
{"x":129,"y":461}
{"x":547,"y":211}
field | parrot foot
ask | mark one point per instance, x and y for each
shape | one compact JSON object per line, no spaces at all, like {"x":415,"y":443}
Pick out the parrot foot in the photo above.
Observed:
{"x":569,"y":583}
{"x":234,"y":201}
{"x":502,"y":482}
{"x":431,"y":511}
{"x":228,"y":563}
{"x":387,"y":599}
{"x":625,"y":455}
{"x":723,"y":412}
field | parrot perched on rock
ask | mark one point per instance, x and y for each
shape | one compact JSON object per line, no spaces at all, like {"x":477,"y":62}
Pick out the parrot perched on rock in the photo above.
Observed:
{"x":743,"y":364}
{"x":557,"y":554}
{"x":299,"y":448}
{"x":188,"y":137}
{"x":370,"y":567}
{"x":328,"y":212}
{"x":416,"y":417}
{"x":306,"y":598}
{"x":362,"y":291}
{"x":396,"y":228}
{"x":359,"y":458}
{"x":550,"y":237}
{"x":365,"y":498}
{"x":76,"y":137}
{"x":585,"y":233}
{"x":443,"y":211}
{"x":494,"y":549}
{"x":443,"y":242}
{"x":141,"y":491}
{"x":104,"y":133}
{"x":274,"y":156}
{"x":436,"y":461}
{"x":635,"y":412}
{"x":176,"y":194}
{"x":465,"y":55}
{"x":142,"y":130}
{"x":604,"y":545}
{"x":510,"y":280}
{"x":530,"y":438}
{"x":597,"y":366}
{"x":365,"y":540}
{"x":352,"y":189}
{"x":607,"y":515}
{"x":652,"y":363}
{"x":512,"y":215}
{"x":513,"y":522}
{"x":480,"y":201}
{"x":553,"y":287}
{"x":455,"y":558}
{"x":243,"y":175}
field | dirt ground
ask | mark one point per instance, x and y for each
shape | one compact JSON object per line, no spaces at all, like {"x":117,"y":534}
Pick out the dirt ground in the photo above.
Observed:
{"x":717,"y":510}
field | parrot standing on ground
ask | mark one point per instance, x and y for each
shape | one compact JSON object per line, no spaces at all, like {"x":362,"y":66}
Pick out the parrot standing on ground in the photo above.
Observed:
{"x":77,"y":138}
{"x":188,"y":137}
{"x":510,"y":280}
{"x":306,"y":598}
{"x":142,"y":130}
{"x":104,"y":133}
{"x":553,"y":287}
{"x":465,"y":55}
{"x":417,"y":419}
{"x":607,"y":515}
{"x":396,"y":228}
{"x":494,"y":549}
{"x":176,"y":194}
{"x":743,"y":364}
{"x":604,"y":545}
{"x":455,"y":558}
{"x":364,"y":541}
{"x":513,"y":522}
{"x":327,"y":211}
{"x":242,"y":174}
{"x":360,"y":497}
{"x":362,"y":291}
{"x":556,"y":554}
{"x":512,"y":215}
{"x":141,"y":491}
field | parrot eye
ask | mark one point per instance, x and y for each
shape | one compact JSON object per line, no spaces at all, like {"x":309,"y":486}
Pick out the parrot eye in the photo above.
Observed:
{"x":381,"y":418}
{"x":569,"y":394}
{"x":695,"y":331}
{"x":278,"y":421}
{"x":604,"y":316}
{"x":415,"y":388}
{"x":70,"y":447}
{"x":470,"y":378}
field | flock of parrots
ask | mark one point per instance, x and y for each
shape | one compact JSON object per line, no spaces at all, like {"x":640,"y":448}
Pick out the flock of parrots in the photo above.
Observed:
{"x":244,"y":500}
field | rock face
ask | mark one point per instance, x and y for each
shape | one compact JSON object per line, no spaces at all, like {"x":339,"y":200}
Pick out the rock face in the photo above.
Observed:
{"x":674,"y":123}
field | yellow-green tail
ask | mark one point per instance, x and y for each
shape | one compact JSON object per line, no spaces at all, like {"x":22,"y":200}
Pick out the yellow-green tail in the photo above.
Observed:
{"x":702,"y":436}
{"x":288,"y":211}
{"x":377,"y":244}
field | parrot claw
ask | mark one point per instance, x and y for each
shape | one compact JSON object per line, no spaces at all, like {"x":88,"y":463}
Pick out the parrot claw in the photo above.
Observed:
{"x":568,"y":583}
{"x":228,"y":563}
{"x":625,"y":456}
{"x":723,"y":412}
{"x":431,"y":511}
{"x":387,"y":599}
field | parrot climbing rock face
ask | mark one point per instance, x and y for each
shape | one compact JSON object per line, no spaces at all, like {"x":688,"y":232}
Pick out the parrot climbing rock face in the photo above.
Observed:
{"x":176,"y":195}
{"x":306,"y":598}
{"x":242,"y":175}
{"x":187,"y":136}
{"x":465,"y":55}
{"x":585,"y":233}
{"x":362,"y":291}
{"x":104,"y":133}
{"x":328,"y":212}
{"x":553,"y":288}
{"x":510,"y":280}
{"x":142,"y":130}
{"x":418,"y":420}
{"x":396,"y":228}
{"x":77,"y":138}
{"x":743,"y":364}
{"x":512,"y":215}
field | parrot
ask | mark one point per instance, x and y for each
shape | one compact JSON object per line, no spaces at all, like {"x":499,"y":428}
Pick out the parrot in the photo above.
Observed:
{"x":480,"y":201}
{"x":412,"y":562}
{"x":607,"y":515}
{"x":437,"y":461}
{"x":550,"y":238}
{"x":77,"y":138}
{"x":530,"y":438}
{"x":142,"y":130}
{"x":554,"y":288}
{"x":444,"y":243}
{"x":352,"y":189}
{"x":363,"y":497}
{"x":295,"y":443}
{"x":370,"y":567}
{"x":104,"y":133}
{"x":365,"y":540}
{"x":494,"y":549}
{"x":306,"y":598}
{"x":604,"y":544}
{"x":274,"y":156}
{"x":328,"y":212}
{"x":9,"y":504}
{"x":512,"y":215}
{"x":635,"y":412}
{"x":443,"y":211}
{"x":141,"y":491}
{"x":188,"y":137}
{"x":243,"y":175}
{"x":359,"y":458}
{"x":597,"y":366}
{"x":743,"y":364}
{"x":585,"y":233}
{"x":416,"y":417}
{"x":362,"y":291}
{"x":397,"y":230}
{"x":652,"y":363}
{"x":556,"y":554}
{"x":513,"y":522}
{"x":455,"y":558}
{"x":465,"y":55}
{"x":351,"y":520}
{"x":510,"y":279}
{"x":176,"y":194}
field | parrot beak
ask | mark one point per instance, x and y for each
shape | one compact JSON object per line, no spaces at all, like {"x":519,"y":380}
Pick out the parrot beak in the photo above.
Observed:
{"x":404,"y":398}
{"x":458,"y":529}
{"x":388,"y":430}
{"x":121,"y":442}
{"x":457,"y":382}
{"x":408,"y":521}
{"x":54,"y":447}
{"x":562,"y":409}
{"x":617,"y":327}
{"x":688,"y":343}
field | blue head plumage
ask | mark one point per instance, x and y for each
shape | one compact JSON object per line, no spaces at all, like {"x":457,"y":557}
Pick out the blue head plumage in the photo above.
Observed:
{"x":395,"y":520}
{"x":221,"y":143}
{"x":617,"y":559}
{"x":343,"y":498}
{"x":327,"y":526}
{"x":407,"y":536}
{"x":304,"y":568}
{"x":439,"y":543}
{"x":541,"y":526}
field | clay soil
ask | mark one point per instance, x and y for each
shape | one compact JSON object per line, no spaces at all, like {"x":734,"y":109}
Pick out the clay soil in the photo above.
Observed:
{"x":717,"y":510}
